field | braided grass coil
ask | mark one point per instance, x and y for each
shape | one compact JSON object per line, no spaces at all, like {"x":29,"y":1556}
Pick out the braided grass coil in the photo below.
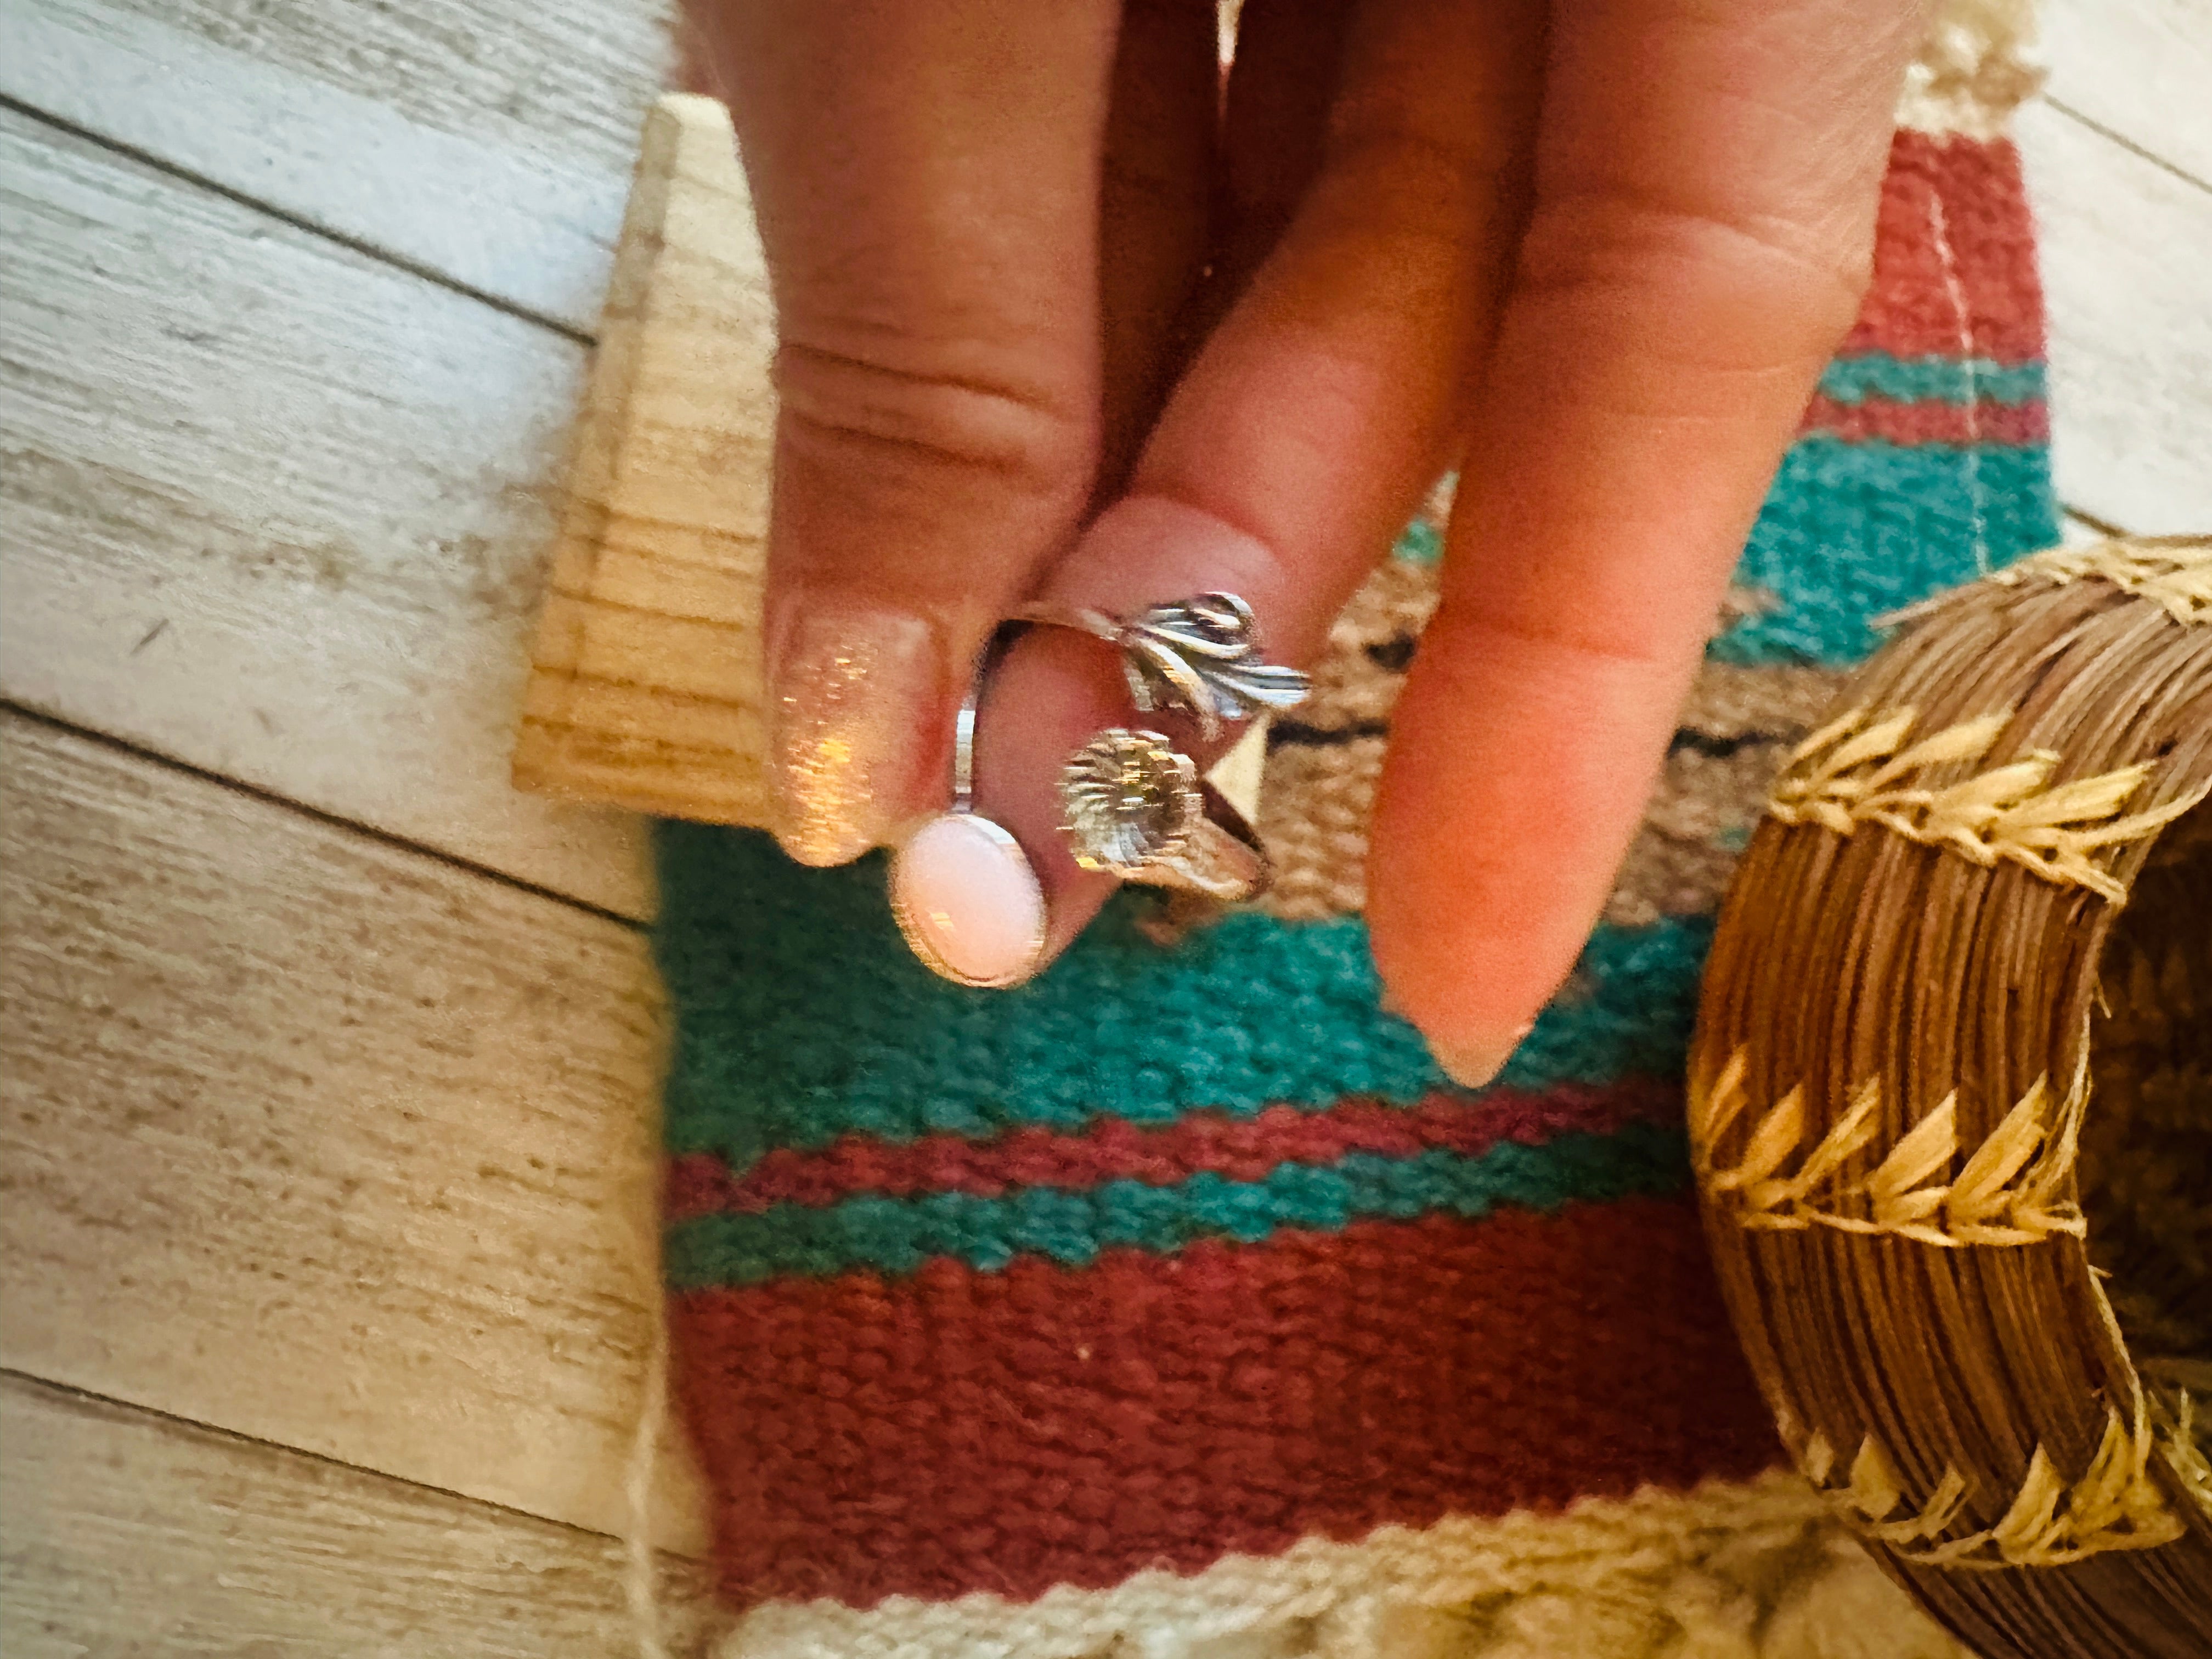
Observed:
{"x":1951,"y":1104}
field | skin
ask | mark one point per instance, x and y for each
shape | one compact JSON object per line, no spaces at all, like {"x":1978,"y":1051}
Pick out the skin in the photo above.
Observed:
{"x":1060,"y":317}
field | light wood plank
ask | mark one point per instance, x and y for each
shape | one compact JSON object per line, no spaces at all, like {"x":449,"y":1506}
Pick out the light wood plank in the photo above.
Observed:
{"x":320,"y":1140}
{"x":278,"y":509}
{"x":2142,"y":69}
{"x":487,"y":140}
{"x":646,"y":685}
{"x":125,"y":1533}
{"x":2126,"y":250}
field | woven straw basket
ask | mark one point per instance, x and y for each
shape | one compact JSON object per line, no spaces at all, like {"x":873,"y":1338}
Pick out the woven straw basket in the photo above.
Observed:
{"x":1951,"y":1104}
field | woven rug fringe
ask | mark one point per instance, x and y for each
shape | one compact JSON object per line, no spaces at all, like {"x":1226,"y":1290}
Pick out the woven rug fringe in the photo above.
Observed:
{"x":1760,"y":1570}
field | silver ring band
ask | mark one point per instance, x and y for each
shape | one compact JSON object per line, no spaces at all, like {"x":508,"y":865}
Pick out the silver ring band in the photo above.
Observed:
{"x":1200,"y":655}
{"x":1132,"y":805}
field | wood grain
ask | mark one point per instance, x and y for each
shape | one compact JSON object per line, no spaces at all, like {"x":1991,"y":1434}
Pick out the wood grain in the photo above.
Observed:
{"x":279,"y":510}
{"x":2126,"y":247}
{"x":2141,"y":69}
{"x":487,"y":141}
{"x":126,"y":1534}
{"x":646,"y":684}
{"x":320,"y":1140}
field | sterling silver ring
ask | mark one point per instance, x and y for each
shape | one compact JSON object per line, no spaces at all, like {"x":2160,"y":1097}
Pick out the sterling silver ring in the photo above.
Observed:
{"x":1200,"y":655}
{"x":1133,"y":805}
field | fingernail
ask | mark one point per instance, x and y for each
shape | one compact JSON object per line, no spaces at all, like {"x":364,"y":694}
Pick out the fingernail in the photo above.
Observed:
{"x":1476,"y":1065}
{"x":854,"y":686}
{"x":968,"y":901}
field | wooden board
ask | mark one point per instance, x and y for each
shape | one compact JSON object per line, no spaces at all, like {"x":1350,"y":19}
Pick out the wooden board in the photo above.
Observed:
{"x":2126,"y":246}
{"x":320,"y":1140}
{"x":645,"y":686}
{"x":279,"y":510}
{"x":486,"y":140}
{"x":125,"y":1533}
{"x":2141,"y":69}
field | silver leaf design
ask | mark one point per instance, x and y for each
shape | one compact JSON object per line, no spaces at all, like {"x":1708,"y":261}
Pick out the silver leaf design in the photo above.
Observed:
{"x":1202,"y":656}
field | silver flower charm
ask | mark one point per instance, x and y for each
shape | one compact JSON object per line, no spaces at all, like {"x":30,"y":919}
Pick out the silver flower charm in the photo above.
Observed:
{"x":1130,"y":800}
{"x":1202,"y":656}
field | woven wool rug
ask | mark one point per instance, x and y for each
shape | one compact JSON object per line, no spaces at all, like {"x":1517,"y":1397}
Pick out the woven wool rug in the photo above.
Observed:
{"x":1176,"y":1302}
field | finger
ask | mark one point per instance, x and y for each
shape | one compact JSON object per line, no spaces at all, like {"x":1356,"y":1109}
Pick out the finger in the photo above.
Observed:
{"x":1291,"y":453}
{"x":925,"y":175}
{"x":1706,"y":181}
{"x":1289,"y":62}
{"x":695,"y":70}
{"x":1154,"y":213}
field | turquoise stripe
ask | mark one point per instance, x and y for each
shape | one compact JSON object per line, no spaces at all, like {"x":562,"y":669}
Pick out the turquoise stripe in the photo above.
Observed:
{"x":1420,"y":544}
{"x":1931,"y":379}
{"x":897,"y":1236}
{"x":805,"y":1017}
{"x":1851,"y":530}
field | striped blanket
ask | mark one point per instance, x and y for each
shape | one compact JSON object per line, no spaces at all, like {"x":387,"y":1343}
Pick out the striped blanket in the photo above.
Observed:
{"x":1178,"y":1295}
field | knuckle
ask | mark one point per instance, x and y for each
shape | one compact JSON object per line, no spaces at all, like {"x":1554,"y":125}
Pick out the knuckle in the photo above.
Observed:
{"x":1420,"y":199}
{"x":1586,"y":638}
{"x":1392,"y":167}
{"x":1391,"y":198}
{"x":920,"y":412}
{"x":1763,"y":289}
{"x":1380,"y":139}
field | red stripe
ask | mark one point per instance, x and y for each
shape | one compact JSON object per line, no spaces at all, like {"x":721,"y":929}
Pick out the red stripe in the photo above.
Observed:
{"x":1910,"y":312}
{"x":1928,"y":422}
{"x":1243,"y":1149}
{"x":959,"y":1431}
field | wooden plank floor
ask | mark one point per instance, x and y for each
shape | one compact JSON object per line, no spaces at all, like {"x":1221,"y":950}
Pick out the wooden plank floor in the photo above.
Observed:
{"x":328,"y":1061}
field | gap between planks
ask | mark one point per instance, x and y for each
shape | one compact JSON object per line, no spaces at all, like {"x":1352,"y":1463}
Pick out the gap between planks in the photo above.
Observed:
{"x":2125,"y":248}
{"x":261,"y":1171}
{"x":436,"y":275}
{"x":487,"y":140}
{"x":344,"y":628}
{"x":344,"y":825}
{"x":2126,"y":143}
{"x":130,"y":1531}
{"x":2138,"y":71}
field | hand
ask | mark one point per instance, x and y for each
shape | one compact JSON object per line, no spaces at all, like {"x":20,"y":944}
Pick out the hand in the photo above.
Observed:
{"x":1061,"y":318}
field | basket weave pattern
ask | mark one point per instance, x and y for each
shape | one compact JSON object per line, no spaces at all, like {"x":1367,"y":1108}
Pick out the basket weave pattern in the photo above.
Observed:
{"x":1897,"y":1072}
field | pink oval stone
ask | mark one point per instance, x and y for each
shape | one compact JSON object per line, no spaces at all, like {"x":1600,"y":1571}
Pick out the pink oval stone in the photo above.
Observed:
{"x":968,"y":902}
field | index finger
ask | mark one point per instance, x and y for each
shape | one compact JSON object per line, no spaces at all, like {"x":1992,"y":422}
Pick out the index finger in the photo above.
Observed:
{"x":1707,"y":178}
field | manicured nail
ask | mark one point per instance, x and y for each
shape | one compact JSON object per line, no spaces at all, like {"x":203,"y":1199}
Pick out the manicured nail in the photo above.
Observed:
{"x":1476,"y":1065}
{"x":968,"y":901}
{"x":854,"y":686}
